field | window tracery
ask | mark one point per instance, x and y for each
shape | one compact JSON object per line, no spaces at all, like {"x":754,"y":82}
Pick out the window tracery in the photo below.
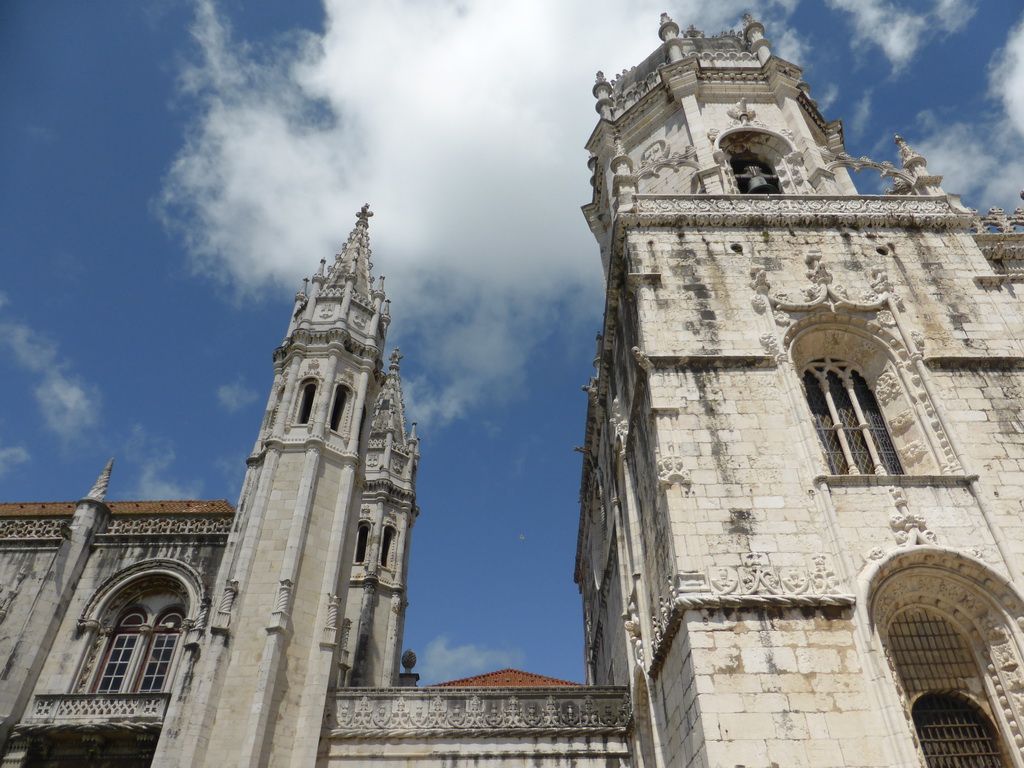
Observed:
{"x":848,"y":420}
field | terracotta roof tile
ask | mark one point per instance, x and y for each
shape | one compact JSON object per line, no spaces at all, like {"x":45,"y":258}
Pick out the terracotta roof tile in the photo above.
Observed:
{"x":67,"y":508}
{"x":504,"y":678}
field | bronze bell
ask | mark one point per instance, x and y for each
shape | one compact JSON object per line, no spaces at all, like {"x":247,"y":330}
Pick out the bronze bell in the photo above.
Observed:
{"x":760,"y":185}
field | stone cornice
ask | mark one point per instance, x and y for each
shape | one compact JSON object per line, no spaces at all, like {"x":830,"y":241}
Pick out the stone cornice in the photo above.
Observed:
{"x":914,"y":212}
{"x":548,"y":712}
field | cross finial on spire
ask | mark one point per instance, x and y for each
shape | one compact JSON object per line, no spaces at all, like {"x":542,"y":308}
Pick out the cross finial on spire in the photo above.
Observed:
{"x":364,"y":214}
{"x":396,"y":358}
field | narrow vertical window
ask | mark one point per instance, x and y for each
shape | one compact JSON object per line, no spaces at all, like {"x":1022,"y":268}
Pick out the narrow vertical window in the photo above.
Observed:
{"x":161,"y":652}
{"x":306,"y":406}
{"x":337,"y":408}
{"x":385,"y":545}
{"x":824,"y":425}
{"x":361,"y":541}
{"x":120,"y":652}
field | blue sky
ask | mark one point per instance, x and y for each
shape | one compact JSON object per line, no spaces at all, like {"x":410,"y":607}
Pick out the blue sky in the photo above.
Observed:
{"x":171,"y":170}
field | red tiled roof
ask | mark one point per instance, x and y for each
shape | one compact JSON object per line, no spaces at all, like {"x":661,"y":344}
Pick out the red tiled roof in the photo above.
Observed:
{"x":504,"y":678}
{"x":67,"y":508}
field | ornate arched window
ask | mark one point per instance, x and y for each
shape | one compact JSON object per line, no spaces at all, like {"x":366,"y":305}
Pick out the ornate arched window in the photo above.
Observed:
{"x":848,"y":420}
{"x":142,"y":647}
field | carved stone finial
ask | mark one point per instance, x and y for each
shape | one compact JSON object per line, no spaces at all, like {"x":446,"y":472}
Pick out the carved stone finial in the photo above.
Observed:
{"x":99,"y":489}
{"x":363,"y":217}
{"x":408,"y":660}
{"x":694,"y":32}
{"x":668,"y":30}
{"x":396,"y":358}
{"x":908,"y":157}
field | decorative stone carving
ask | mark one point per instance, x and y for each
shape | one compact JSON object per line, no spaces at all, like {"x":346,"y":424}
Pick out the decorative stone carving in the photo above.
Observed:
{"x":411,"y":713}
{"x":672,"y":469}
{"x":78,"y":708}
{"x":887,"y":387}
{"x":32,"y":528}
{"x":802,"y":210}
{"x":169,"y":525}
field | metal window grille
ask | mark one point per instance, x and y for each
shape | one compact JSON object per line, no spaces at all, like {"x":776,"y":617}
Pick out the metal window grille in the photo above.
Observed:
{"x":876,"y":424}
{"x":848,"y":420}
{"x":929,"y":655}
{"x":954,"y":734}
{"x":824,"y":425}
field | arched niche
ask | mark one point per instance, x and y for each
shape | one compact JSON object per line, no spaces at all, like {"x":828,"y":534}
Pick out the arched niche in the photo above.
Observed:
{"x":976,"y":603}
{"x":766,"y":147}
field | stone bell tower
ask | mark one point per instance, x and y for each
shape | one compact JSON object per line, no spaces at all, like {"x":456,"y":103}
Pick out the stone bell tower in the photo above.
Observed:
{"x":274,"y":649}
{"x":801,"y":534}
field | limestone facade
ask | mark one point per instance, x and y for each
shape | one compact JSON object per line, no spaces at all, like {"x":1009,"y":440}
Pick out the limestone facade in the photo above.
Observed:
{"x":801,"y":524}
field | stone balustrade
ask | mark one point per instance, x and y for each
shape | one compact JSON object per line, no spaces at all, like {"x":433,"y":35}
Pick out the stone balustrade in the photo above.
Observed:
{"x":469,"y":712}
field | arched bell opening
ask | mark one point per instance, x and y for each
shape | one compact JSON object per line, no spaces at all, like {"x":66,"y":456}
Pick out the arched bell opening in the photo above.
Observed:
{"x":753,"y":176}
{"x":755,"y":162}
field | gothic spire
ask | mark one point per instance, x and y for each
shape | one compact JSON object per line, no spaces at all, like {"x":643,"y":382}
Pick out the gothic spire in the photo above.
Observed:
{"x":99,"y":488}
{"x":354,"y":260}
{"x":389,"y":411}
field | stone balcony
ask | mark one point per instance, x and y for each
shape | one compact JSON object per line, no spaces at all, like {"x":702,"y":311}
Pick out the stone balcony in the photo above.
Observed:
{"x":133,"y":711}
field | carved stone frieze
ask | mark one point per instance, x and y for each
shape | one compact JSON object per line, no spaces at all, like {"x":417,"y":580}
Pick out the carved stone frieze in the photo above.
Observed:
{"x":168,"y":525}
{"x":32,"y":528}
{"x":414,"y":713}
{"x":802,"y":210}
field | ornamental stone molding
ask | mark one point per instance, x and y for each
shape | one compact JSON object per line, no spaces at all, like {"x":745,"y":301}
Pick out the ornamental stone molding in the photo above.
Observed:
{"x":34,"y":528}
{"x":754,"y":584}
{"x":911,"y":211}
{"x":479,"y":712}
{"x":169,"y":525}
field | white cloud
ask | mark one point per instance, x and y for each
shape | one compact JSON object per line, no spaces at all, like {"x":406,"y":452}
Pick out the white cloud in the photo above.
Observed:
{"x":898,"y":32}
{"x":455,"y":133}
{"x":68,"y":404}
{"x":235,"y":396}
{"x":862,"y":114}
{"x":981,"y":160}
{"x":1007,"y":77}
{"x":154,"y":456}
{"x":12,"y":456}
{"x":441,"y":662}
